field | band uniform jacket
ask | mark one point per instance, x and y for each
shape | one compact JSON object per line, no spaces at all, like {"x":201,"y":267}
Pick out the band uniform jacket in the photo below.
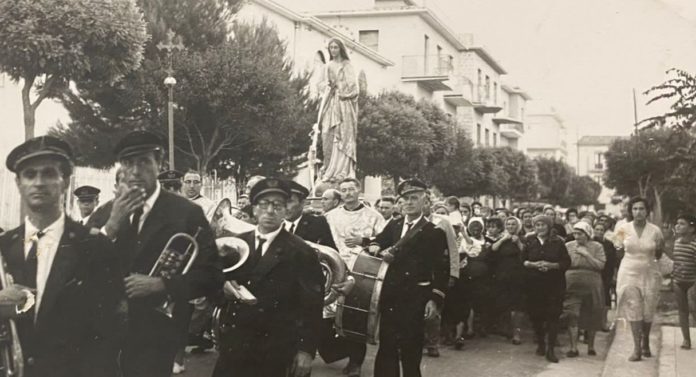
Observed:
{"x":288,"y":284}
{"x":78,"y":325}
{"x":100,"y":215}
{"x":418,"y":265}
{"x":169,"y":215}
{"x":315,"y":229}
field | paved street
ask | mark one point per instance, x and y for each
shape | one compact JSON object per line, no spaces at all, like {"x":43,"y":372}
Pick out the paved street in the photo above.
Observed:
{"x":489,"y":357}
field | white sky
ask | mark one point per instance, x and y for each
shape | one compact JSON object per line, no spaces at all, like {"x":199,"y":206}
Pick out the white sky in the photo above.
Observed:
{"x":583,"y":57}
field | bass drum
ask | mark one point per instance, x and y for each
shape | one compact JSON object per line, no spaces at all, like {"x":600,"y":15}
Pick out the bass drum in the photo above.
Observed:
{"x":357,"y":314}
{"x":333,"y":268}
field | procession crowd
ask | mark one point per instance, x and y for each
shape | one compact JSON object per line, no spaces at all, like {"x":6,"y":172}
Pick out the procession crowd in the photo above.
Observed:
{"x":280,"y":278}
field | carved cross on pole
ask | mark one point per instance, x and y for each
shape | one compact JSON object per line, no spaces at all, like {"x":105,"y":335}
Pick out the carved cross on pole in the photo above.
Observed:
{"x":172,"y":43}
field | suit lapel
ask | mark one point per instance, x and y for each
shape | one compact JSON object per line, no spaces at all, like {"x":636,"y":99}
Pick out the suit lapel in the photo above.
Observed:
{"x":272,"y":256}
{"x":62,"y":269}
{"x":398,"y":227}
{"x":155,"y":220}
{"x":14,"y":255}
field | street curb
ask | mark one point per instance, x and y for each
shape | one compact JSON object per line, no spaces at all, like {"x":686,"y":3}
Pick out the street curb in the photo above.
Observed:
{"x":668,"y":355}
{"x":621,"y":347}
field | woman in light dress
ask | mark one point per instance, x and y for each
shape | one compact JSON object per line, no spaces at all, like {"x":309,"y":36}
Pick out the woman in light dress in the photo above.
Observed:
{"x":639,"y":281}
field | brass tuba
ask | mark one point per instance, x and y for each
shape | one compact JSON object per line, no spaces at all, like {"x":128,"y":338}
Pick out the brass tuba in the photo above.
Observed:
{"x":11,"y":356}
{"x":333,"y":267}
{"x":176,"y":258}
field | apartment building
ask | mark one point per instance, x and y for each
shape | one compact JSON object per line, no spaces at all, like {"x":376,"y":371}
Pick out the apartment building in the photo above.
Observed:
{"x":591,"y":162}
{"x":546,"y":135}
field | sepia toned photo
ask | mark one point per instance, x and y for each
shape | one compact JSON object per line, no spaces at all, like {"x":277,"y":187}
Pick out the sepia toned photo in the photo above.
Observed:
{"x":327,"y":188}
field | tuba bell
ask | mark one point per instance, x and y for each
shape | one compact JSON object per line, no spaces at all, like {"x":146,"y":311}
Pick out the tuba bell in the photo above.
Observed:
{"x":11,"y":356}
{"x":333,"y":268}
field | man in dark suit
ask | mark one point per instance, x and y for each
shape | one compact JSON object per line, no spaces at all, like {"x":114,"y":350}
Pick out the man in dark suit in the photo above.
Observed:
{"x":414,"y":285}
{"x":101,"y":215}
{"x":87,"y":201}
{"x":309,"y":227}
{"x":67,"y":282}
{"x":143,"y":219}
{"x":279,"y":333}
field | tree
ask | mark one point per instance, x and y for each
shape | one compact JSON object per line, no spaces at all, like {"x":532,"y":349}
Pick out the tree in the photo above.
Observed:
{"x":680,"y":88}
{"x":520,"y":174}
{"x":651,"y":164}
{"x":457,"y":173}
{"x":49,"y":43}
{"x":554,"y":179}
{"x":583,"y":190}
{"x":394,"y":138}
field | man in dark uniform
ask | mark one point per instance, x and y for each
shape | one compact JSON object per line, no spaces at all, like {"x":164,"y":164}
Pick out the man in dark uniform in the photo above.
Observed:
{"x":304,"y":225}
{"x":87,"y":200}
{"x":171,"y":180}
{"x":143,"y":219}
{"x":279,"y":333}
{"x":72,"y":328}
{"x":414,"y":285}
{"x":101,"y":215}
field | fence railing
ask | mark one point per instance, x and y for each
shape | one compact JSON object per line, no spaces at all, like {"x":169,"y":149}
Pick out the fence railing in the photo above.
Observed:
{"x":426,"y":66}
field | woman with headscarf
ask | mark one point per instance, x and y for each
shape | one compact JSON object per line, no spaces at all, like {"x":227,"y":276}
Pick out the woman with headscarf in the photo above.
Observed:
{"x":473,"y":283}
{"x":684,"y":271}
{"x":584,"y":300}
{"x":508,"y":275}
{"x":639,"y":281}
{"x":612,"y":262}
{"x":546,"y":260}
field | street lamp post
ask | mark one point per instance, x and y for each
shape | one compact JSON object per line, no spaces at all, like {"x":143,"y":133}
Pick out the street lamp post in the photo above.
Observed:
{"x":170,"y":82}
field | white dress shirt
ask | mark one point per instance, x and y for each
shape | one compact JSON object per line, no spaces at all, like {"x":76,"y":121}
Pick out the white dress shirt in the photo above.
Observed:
{"x":289,"y":225}
{"x":147,"y":207}
{"x":405,"y":229}
{"x":269,"y":237}
{"x":46,"y":250}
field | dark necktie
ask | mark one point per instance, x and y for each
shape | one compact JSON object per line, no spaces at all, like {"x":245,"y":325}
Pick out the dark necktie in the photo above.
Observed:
{"x":32,"y":261}
{"x":292,"y":228}
{"x":259,"y":246}
{"x":135,"y":223}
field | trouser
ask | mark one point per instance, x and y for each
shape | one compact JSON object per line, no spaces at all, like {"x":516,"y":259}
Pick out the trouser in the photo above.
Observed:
{"x":333,"y":347}
{"x":236,"y":366}
{"x":432,"y":331}
{"x":201,"y":317}
{"x":141,"y":360}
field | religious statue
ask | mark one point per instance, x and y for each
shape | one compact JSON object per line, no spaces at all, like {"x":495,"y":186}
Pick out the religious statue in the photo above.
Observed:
{"x":338,"y":117}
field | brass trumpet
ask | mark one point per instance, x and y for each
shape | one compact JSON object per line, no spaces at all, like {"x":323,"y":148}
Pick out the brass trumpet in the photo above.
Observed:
{"x":11,"y":356}
{"x":176,"y":258}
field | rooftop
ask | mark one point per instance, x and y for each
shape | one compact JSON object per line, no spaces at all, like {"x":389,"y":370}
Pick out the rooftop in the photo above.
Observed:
{"x":599,"y":139}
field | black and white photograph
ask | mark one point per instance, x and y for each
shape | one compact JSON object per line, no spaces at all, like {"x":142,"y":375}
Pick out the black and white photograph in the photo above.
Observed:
{"x":360,"y":188}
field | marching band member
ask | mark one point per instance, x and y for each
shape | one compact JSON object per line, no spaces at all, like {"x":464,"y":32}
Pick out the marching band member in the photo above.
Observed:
{"x":72,"y":328}
{"x":171,"y":181}
{"x":101,"y":215}
{"x":87,"y":200}
{"x":279,"y":333}
{"x":304,"y":225}
{"x":143,"y":219}
{"x":414,"y":285}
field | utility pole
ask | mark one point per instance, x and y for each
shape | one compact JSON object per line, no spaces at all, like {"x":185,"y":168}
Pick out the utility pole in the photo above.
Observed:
{"x":635,"y":113}
{"x":170,"y":82}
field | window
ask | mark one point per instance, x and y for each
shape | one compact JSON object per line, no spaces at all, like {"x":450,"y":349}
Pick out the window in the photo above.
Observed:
{"x":495,"y":93}
{"x":488,"y":87}
{"x":426,"y":48}
{"x":478,"y":134}
{"x":598,"y":161}
{"x":369,"y":38}
{"x":488,"y":137}
{"x":495,"y":139}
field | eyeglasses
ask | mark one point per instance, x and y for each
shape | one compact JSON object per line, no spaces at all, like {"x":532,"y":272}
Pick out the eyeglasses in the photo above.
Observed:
{"x":265,"y":204}
{"x":189,"y":182}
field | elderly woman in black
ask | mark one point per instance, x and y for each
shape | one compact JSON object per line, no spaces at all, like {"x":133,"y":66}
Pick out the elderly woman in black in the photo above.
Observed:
{"x":609,"y":270}
{"x":546,"y":259}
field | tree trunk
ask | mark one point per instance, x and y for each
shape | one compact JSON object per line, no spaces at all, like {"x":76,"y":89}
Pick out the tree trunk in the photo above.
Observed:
{"x":29,"y":111}
{"x":657,"y":211}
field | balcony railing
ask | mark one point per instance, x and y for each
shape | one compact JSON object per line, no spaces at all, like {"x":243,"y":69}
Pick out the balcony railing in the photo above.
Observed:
{"x":599,"y":166}
{"x":485,"y":102}
{"x":426,"y":66}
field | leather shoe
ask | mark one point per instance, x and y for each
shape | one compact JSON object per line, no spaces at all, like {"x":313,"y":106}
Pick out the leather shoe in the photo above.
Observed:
{"x":433,"y":352}
{"x":551,"y":355}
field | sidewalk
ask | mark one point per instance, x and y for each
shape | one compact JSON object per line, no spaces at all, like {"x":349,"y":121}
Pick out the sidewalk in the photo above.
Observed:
{"x":617,"y":364}
{"x":674,"y":361}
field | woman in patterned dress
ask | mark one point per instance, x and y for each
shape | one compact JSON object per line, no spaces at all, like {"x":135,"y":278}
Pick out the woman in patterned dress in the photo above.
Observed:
{"x":639,"y":281}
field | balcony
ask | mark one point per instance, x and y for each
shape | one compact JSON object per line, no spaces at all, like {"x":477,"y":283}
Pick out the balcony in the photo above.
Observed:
{"x":483,"y":103}
{"x":598,"y":166}
{"x":462,"y":92}
{"x":429,"y":71}
{"x":512,"y":130}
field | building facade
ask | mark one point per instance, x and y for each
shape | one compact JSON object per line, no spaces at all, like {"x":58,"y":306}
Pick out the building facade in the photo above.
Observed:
{"x":546,"y":136}
{"x":591,"y":162}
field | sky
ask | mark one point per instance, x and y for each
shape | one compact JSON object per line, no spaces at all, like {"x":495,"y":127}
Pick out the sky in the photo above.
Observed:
{"x":584,"y":58}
